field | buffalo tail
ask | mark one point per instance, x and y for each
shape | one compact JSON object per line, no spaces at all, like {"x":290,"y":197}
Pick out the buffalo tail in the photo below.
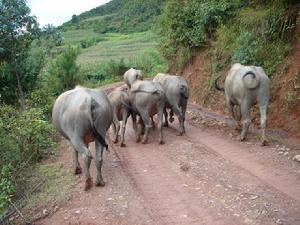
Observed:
{"x":217,"y":86}
{"x":184,"y":92}
{"x":96,"y":134}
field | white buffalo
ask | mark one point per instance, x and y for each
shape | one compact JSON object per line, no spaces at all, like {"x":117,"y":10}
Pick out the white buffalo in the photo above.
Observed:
{"x":147,"y":99}
{"x":177,"y":94}
{"x":84,"y":115}
{"x":245,"y":86}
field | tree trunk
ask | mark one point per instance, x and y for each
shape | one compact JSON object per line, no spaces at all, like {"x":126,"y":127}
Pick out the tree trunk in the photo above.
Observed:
{"x":16,"y":74}
{"x":21,"y":93}
{"x":20,"y":89}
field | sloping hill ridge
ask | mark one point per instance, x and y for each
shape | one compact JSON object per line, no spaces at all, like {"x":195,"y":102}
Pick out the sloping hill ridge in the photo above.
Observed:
{"x":119,"y":16}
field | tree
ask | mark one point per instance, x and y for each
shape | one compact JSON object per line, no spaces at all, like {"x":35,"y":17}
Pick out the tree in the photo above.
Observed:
{"x":62,"y":73}
{"x":52,"y":36}
{"x":74,"y":19}
{"x":17,"y":30}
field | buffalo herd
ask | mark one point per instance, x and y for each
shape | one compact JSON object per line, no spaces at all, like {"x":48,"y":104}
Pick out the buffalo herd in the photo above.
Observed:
{"x":84,"y":115}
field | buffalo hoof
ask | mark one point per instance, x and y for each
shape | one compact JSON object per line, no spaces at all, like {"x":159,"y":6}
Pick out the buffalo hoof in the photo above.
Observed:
{"x":238,"y":127}
{"x":100,"y":183}
{"x":171,"y":119}
{"x":122,"y":145}
{"x":180,"y":133}
{"x":144,"y":141}
{"x":264,"y":143}
{"x":88,"y":184}
{"x":161,"y":142}
{"x":138,"y":139}
{"x":242,"y":139}
{"x":115,"y":141}
{"x":77,"y":170}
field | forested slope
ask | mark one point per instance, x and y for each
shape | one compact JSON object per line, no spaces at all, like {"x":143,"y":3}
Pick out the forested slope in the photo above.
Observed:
{"x":119,"y":16}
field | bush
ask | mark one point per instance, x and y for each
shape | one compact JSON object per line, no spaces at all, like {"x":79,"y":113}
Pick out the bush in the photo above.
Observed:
{"x":24,"y":139}
{"x":249,"y":32}
{"x":252,"y":38}
{"x":188,"y":25}
{"x":150,"y":61}
{"x":62,"y":73}
{"x":90,"y":42}
{"x":97,"y":74}
{"x":7,"y":188}
{"x":42,"y":100}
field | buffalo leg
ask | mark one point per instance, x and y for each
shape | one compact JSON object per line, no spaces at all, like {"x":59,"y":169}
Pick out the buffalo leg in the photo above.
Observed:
{"x":81,"y":148}
{"x":153,"y":123}
{"x":141,"y":127}
{"x":246,"y":117}
{"x":76,"y":163}
{"x":117,"y":128}
{"x":134,"y":124}
{"x":184,"y":105}
{"x":171,"y":119}
{"x":125,"y":117}
{"x":263,"y":121}
{"x":166,"y":123}
{"x":160,"y":116}
{"x":180,"y":118}
{"x":115,"y":133}
{"x":230,"y":107}
{"x":98,"y":162}
{"x":86,"y":171}
{"x":148,"y":125}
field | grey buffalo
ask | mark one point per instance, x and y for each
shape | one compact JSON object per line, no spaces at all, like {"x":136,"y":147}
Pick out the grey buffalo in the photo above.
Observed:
{"x":147,"y":99}
{"x":121,"y":106}
{"x":82,"y":116}
{"x":245,"y":86}
{"x":177,"y":94}
{"x":131,"y":75}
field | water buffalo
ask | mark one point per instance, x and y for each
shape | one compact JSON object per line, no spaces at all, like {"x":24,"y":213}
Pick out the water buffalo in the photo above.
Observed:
{"x":121,"y":106}
{"x":245,"y":86}
{"x":131,"y":75}
{"x":84,"y":115}
{"x":177,"y":94}
{"x":147,"y":99}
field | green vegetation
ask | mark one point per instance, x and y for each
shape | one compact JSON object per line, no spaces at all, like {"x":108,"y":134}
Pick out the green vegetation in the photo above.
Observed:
{"x":57,"y":185}
{"x":103,"y":72}
{"x":39,"y":64}
{"x":98,"y":46}
{"x":62,"y":72}
{"x":118,"y":46}
{"x":255,"y":37}
{"x":119,"y":16}
{"x":253,"y":32}
{"x":18,"y":29}
{"x":24,"y":138}
{"x":25,"y":134}
{"x":186,"y":26}
{"x":106,"y":61}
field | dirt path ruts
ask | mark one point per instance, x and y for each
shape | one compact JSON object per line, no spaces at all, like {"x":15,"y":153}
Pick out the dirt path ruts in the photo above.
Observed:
{"x":203,"y":177}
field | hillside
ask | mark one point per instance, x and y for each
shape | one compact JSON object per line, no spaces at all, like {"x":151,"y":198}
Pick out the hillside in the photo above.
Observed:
{"x":209,"y":36}
{"x":114,"y":37}
{"x":118,"y":16}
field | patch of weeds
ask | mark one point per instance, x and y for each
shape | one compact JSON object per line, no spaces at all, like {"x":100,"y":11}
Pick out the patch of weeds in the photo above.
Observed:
{"x":290,"y":98}
{"x":57,"y":186}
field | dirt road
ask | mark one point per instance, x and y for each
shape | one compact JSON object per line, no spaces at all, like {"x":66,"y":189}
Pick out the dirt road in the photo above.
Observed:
{"x":203,"y":177}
